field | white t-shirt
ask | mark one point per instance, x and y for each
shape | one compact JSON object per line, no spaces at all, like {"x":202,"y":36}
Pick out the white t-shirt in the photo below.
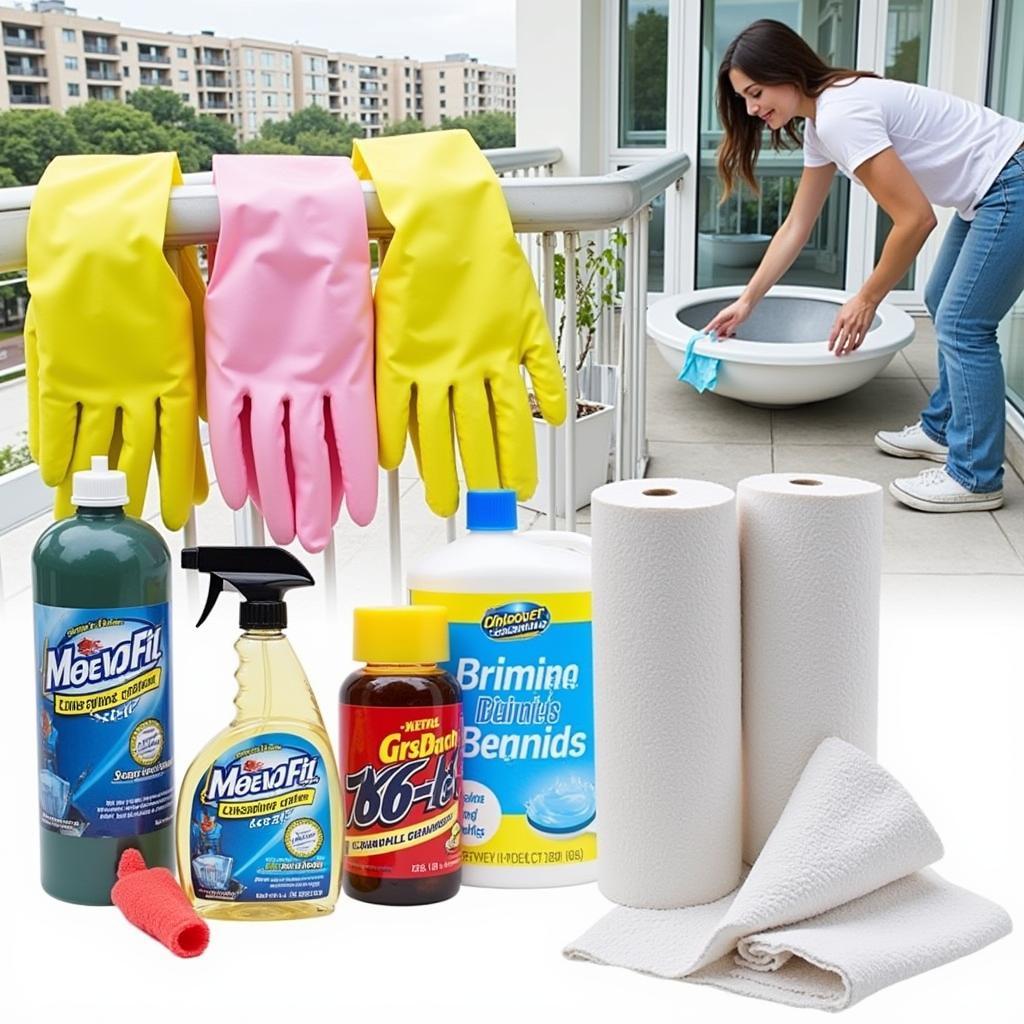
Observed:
{"x":952,"y":147}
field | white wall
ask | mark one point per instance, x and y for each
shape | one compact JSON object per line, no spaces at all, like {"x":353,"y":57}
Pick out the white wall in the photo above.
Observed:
{"x":559,"y":81}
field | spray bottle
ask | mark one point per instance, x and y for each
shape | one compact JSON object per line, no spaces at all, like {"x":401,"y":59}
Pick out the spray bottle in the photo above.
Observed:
{"x":260,"y":805}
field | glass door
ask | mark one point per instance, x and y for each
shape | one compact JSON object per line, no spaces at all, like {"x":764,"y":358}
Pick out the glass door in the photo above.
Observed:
{"x":1006,"y":94}
{"x":732,"y":236}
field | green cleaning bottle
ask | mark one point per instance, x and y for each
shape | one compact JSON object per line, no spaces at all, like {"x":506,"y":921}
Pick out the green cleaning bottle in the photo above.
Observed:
{"x":260,"y":808}
{"x":101,"y":585}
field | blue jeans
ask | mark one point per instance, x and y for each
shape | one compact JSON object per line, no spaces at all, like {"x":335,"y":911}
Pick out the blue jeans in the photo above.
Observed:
{"x":977,"y":278}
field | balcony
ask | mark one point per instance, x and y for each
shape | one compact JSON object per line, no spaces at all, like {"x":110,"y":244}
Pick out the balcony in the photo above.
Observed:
{"x":96,"y":72}
{"x":153,"y":57}
{"x":101,"y":46}
{"x":29,"y":100}
{"x":26,"y":40}
{"x":108,"y":93}
{"x":209,"y":59}
{"x":26,"y":70}
{"x":155,"y":79}
{"x":213,"y":103}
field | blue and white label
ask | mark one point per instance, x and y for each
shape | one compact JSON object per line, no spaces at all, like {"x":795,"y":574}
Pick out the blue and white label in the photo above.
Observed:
{"x":261,"y":823}
{"x":525,"y":668}
{"x":103,"y":720}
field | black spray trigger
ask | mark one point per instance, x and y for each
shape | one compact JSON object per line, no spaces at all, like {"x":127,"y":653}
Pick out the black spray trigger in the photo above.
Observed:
{"x":216,"y":586}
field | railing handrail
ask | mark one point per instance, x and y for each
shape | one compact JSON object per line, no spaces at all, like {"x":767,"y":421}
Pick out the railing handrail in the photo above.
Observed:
{"x":535,"y":204}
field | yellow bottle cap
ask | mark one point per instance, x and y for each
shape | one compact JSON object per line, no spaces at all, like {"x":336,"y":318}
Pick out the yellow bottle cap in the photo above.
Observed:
{"x":415,"y":634}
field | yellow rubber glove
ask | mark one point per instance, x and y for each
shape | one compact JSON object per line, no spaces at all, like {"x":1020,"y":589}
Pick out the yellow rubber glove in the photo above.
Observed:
{"x":457,"y":315}
{"x":111,"y":334}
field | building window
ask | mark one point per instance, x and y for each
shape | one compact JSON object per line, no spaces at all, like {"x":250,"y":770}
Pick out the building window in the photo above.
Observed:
{"x":643,"y":72}
{"x":68,"y":35}
{"x":266,"y":59}
{"x":441,"y":89}
{"x":182,"y":52}
{"x":74,"y":89}
{"x":266,"y":79}
{"x":249,"y":58}
{"x":71,"y":63}
{"x":124,"y":46}
{"x":250,"y":77}
{"x":186,"y":96}
{"x":344,"y":101}
{"x":252,"y":118}
{"x":287,"y":76}
{"x":125,"y":71}
{"x":440,"y":73}
{"x":443,"y":104}
{"x":270,"y":100}
{"x":182,"y":76}
{"x":251,"y":98}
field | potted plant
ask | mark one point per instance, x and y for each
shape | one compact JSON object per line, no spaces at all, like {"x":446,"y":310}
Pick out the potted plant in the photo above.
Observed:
{"x":597,"y":273}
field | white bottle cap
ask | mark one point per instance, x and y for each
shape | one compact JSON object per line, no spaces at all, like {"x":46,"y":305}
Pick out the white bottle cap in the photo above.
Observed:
{"x":99,"y":487}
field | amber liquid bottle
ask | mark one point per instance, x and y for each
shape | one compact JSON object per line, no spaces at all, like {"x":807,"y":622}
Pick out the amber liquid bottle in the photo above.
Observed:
{"x":401,"y":760}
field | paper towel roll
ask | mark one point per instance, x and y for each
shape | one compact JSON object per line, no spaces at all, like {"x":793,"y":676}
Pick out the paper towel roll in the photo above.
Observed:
{"x":811,"y":563}
{"x":666,"y":602}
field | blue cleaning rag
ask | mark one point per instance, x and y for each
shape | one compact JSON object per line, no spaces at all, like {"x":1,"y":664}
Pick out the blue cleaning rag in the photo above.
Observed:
{"x":701,"y":372}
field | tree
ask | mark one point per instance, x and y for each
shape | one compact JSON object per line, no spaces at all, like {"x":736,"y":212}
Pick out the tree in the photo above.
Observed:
{"x":410,"y":126}
{"x":110,"y":127}
{"x":493,"y":130}
{"x":648,"y":72}
{"x":164,"y":106}
{"x":30,"y":139}
{"x":218,"y":136}
{"x":263,"y":145}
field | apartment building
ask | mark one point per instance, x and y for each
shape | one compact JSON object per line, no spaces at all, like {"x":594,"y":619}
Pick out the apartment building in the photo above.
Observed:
{"x":460,"y":85}
{"x":55,"y":59}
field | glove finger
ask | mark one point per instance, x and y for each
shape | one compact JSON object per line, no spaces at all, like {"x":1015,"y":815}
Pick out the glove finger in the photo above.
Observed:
{"x":228,"y":424}
{"x":394,"y":399}
{"x":356,"y":444}
{"x":137,"y":443}
{"x":191,"y":279}
{"x":175,"y":450}
{"x":32,"y":382}
{"x":96,"y":428}
{"x":58,"y":424}
{"x":307,"y":441}
{"x":541,"y":362}
{"x":475,"y":431}
{"x":517,"y":449}
{"x":435,"y":450}
{"x":276,"y":484}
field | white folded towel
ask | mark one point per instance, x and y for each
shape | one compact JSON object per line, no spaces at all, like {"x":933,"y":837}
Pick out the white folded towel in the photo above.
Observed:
{"x":837,"y":905}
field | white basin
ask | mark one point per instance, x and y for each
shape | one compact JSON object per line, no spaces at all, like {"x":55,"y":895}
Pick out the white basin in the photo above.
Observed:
{"x":780,"y":355}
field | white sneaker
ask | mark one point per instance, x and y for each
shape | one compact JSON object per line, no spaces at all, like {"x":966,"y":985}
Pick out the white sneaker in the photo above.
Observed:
{"x":934,"y":490}
{"x":911,"y":443}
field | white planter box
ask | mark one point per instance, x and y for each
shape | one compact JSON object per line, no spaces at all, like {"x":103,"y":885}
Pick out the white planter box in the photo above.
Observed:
{"x":593,"y":443}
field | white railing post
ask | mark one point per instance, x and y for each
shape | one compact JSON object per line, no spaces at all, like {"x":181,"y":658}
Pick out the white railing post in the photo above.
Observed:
{"x":395,"y":537}
{"x":569,"y":340}
{"x":550,"y":432}
{"x":248,"y":526}
{"x":640,"y":391}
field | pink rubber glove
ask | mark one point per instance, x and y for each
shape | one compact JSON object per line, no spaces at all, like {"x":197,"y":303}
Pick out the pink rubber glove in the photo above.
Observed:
{"x":289,"y":344}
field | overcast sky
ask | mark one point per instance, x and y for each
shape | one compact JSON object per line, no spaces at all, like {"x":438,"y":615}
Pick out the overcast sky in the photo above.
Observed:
{"x":423,"y":29}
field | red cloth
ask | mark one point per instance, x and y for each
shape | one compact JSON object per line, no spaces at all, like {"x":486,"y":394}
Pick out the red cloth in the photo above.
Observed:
{"x":152,"y":900}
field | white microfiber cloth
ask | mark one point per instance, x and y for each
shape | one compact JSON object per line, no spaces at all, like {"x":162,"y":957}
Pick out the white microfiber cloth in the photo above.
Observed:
{"x":837,"y":906}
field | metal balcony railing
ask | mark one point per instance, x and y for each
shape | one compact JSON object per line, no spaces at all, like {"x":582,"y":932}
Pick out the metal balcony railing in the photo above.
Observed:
{"x":548,"y":214}
{"x":34,"y":100}
{"x":153,"y":58}
{"x":100,"y":49}
{"x":25,"y":71}
{"x":25,"y":42}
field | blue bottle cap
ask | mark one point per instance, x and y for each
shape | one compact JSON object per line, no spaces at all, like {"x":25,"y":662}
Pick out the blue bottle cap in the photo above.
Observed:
{"x":491,"y":510}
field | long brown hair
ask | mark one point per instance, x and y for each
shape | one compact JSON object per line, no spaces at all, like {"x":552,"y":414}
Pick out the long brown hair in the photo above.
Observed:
{"x":770,"y":53}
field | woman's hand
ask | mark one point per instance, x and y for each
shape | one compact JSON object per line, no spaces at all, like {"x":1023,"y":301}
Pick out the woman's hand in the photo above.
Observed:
{"x":724,"y":324}
{"x":852,"y":325}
